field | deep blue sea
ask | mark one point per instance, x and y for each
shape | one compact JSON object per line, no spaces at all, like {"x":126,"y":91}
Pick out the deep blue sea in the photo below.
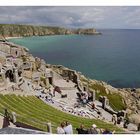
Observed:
{"x":113,"y":57}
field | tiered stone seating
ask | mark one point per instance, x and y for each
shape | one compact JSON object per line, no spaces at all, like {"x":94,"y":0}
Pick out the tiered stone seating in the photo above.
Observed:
{"x":31,"y":110}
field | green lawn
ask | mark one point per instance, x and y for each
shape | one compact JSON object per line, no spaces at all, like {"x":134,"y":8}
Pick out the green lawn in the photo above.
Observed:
{"x":35,"y":112}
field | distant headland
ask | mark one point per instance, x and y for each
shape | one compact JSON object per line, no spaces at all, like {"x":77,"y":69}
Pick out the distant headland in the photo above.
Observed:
{"x":14,"y":30}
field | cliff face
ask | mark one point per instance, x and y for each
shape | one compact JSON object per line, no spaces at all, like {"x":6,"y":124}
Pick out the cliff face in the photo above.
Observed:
{"x":89,"y":31}
{"x":28,"y":30}
{"x":11,"y":30}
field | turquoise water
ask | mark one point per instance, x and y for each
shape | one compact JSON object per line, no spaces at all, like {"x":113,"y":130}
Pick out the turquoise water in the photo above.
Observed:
{"x":112,"y":57}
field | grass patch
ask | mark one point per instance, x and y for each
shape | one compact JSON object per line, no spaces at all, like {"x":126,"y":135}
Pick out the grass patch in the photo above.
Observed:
{"x":115,"y":100}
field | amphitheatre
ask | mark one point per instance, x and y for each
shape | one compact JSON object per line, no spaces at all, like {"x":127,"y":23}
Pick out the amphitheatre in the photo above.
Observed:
{"x":26,"y":83}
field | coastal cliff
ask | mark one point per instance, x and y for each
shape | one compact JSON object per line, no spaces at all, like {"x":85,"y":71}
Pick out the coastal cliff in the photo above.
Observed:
{"x":89,"y":31}
{"x":12,"y":30}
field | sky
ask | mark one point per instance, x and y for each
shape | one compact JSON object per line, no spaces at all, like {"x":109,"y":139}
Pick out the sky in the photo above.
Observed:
{"x":122,"y":17}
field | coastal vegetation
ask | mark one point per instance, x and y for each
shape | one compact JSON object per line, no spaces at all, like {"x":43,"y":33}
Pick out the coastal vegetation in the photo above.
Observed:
{"x":115,"y":99}
{"x":15,"y":30}
{"x":34,"y":112}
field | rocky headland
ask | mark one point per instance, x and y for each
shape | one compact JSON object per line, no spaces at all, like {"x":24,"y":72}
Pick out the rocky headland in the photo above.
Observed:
{"x":11,"y":30}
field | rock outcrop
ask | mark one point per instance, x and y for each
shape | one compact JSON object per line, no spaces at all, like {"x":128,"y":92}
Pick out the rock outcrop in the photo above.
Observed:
{"x":89,"y":31}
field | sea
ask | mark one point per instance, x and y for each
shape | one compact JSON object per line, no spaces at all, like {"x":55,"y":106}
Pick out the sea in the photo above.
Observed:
{"x":113,"y":57}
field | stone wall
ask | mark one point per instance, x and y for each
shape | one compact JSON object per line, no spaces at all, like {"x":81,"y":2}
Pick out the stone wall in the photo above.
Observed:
{"x":69,"y":74}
